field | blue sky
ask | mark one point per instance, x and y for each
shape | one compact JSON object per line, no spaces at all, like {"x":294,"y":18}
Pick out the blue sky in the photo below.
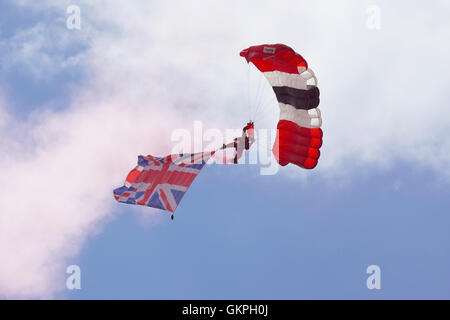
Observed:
{"x":78,"y":106}
{"x":277,"y":240}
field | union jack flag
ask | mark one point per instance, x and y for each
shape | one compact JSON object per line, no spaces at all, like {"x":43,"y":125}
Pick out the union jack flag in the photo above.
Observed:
{"x":161,"y":182}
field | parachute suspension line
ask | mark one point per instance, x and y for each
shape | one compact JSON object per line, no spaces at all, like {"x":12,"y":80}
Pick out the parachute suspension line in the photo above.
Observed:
{"x":260,"y":94}
{"x":257,"y":95}
{"x":262,"y":105}
{"x":258,"y":100}
{"x":248,"y":93}
{"x":261,"y":116}
{"x":267,"y":104}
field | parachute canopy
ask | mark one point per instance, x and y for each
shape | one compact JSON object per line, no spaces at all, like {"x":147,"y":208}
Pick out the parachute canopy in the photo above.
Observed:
{"x":299,"y":136}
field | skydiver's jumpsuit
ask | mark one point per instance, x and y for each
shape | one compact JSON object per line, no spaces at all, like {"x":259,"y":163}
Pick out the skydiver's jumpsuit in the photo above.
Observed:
{"x":242,"y":143}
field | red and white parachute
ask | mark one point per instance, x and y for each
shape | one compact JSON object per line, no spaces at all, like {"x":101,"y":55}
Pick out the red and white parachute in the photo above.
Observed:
{"x":299,"y":136}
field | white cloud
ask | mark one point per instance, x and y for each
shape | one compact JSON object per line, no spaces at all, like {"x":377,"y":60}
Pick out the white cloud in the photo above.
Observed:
{"x":53,"y":197}
{"x":156,"y":67}
{"x":41,"y":50}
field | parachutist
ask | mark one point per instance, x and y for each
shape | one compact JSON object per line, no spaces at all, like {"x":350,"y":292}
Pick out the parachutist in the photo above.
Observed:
{"x":161,"y":182}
